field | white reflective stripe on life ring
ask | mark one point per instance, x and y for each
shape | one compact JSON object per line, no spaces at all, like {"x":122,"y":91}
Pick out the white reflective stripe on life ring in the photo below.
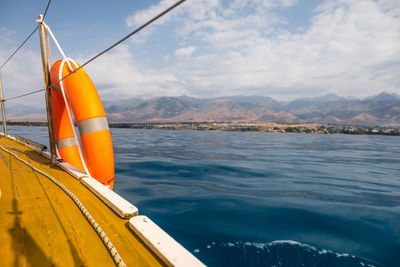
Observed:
{"x":66,"y":142}
{"x":92,"y":125}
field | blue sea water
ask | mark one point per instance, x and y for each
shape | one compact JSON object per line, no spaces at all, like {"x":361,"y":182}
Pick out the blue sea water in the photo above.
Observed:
{"x":263,"y":199}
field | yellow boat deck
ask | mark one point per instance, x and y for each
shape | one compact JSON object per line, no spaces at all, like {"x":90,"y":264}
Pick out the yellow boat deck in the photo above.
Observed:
{"x":41,"y":226}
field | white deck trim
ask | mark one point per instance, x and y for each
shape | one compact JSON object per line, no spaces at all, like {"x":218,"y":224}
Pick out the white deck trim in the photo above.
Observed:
{"x":170,"y":251}
{"x":76,"y":173}
{"x":118,"y":204}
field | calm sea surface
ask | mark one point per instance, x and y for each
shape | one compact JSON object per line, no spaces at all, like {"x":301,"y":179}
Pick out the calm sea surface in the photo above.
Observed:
{"x":262,"y":199}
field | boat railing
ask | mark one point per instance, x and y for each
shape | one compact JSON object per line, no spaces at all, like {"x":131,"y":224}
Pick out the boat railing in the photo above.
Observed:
{"x":32,"y":143}
{"x":3,"y":110}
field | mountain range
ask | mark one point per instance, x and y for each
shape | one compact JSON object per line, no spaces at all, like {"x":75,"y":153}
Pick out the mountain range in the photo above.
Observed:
{"x":380,"y":110}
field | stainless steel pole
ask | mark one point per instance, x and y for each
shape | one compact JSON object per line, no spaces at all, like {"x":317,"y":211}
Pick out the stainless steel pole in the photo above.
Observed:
{"x":46,"y":78}
{"x":3,"y":110}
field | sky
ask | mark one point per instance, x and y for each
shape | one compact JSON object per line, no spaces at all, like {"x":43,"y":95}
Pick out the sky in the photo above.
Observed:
{"x":207,"y":48}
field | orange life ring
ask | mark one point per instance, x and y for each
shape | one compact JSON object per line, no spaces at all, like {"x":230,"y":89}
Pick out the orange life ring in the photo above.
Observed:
{"x":63,"y":132}
{"x":89,"y":114}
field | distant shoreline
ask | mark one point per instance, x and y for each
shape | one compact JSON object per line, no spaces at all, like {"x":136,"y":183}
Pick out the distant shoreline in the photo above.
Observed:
{"x":241,"y":126}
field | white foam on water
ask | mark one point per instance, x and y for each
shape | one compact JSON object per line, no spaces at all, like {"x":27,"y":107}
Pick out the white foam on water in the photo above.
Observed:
{"x":322,"y":251}
{"x":309,"y":247}
{"x":343,"y":255}
{"x":268,"y":246}
{"x":290,"y":242}
{"x":264,"y":246}
{"x":254,"y":244}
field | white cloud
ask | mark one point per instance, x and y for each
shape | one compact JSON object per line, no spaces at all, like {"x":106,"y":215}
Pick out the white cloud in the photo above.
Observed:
{"x":6,"y":37}
{"x":185,"y":51}
{"x":194,"y":10}
{"x":349,"y":48}
{"x":166,"y":58}
{"x":243,"y":47}
{"x":281,"y":3}
{"x":117,"y":75}
{"x":22,"y":74}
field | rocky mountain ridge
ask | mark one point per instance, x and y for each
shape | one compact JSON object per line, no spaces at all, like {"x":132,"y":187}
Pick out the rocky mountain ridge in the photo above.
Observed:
{"x":380,"y":110}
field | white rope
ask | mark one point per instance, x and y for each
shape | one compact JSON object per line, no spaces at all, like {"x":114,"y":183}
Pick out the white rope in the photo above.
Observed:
{"x":57,"y":44}
{"x":69,"y":111}
{"x":67,"y":60}
{"x":48,"y":46}
{"x":111,"y":249}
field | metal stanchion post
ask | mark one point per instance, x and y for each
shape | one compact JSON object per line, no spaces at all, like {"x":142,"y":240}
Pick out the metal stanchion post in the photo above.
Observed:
{"x":3,"y":110}
{"x":46,"y":78}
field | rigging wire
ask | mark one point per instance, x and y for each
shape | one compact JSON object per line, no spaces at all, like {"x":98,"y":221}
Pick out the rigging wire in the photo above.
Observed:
{"x":106,"y":50}
{"x":132,"y":33}
{"x":47,"y":7}
{"x":16,"y":50}
{"x":19,"y":96}
{"x":27,"y":38}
